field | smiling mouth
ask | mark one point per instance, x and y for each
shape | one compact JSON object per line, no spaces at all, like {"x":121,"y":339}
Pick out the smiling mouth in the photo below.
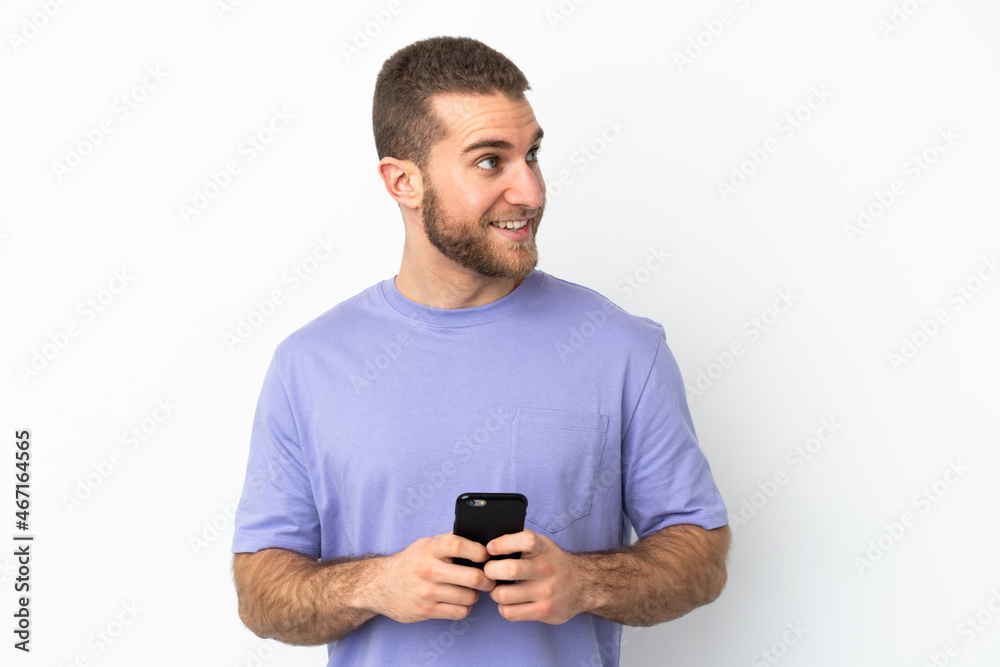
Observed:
{"x":510,"y":224}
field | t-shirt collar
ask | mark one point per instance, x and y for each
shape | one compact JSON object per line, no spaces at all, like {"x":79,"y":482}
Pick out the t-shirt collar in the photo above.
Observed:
{"x":463,"y":317}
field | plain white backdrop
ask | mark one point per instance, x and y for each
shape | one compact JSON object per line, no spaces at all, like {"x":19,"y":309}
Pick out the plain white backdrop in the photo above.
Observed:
{"x":822,"y":176}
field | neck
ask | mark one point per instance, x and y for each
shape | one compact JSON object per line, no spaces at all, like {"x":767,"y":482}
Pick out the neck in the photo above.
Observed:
{"x":448,"y":285}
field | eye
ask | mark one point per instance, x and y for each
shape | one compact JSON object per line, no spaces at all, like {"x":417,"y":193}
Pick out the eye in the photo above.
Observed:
{"x":532,"y":155}
{"x":493,"y":159}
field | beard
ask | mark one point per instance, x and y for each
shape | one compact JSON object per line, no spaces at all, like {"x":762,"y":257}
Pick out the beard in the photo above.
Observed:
{"x":474,"y":246}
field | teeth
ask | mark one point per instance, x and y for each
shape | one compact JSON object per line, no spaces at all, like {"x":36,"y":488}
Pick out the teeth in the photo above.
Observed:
{"x":509,"y":224}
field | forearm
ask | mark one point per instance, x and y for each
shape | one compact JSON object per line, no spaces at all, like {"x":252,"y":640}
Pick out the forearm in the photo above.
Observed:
{"x":297,"y":600}
{"x":661,"y":577}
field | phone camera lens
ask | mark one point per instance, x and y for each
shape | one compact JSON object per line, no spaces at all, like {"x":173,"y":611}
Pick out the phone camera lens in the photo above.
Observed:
{"x":470,"y":502}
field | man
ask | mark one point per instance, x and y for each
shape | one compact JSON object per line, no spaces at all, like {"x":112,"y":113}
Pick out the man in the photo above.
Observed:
{"x":468,"y":372}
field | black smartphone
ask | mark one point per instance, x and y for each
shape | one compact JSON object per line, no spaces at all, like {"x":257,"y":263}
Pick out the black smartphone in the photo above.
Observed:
{"x":482,"y":517}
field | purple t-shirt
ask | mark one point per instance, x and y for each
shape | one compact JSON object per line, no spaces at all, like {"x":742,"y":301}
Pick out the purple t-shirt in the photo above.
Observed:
{"x":378,"y":414}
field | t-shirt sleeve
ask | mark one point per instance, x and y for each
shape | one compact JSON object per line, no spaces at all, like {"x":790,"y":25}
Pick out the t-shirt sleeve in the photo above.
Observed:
{"x":666,"y":477}
{"x":276,"y":508}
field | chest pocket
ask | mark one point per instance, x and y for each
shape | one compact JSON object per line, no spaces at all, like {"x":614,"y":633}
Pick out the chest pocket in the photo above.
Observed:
{"x":555,"y":459}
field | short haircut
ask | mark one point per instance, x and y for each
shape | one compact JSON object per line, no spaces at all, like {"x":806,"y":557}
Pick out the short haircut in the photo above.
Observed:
{"x":403,"y":121}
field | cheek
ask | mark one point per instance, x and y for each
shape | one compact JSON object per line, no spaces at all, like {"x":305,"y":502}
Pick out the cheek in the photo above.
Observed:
{"x":469,"y":198}
{"x":483,"y":204}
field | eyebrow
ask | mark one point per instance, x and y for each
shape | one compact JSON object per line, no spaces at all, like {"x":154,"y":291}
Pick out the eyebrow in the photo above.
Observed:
{"x":499,"y":144}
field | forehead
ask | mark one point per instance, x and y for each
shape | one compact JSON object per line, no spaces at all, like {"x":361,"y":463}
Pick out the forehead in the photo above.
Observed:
{"x":472,"y":118}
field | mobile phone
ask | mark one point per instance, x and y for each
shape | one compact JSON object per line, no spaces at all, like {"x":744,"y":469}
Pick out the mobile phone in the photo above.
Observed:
{"x":482,"y":517}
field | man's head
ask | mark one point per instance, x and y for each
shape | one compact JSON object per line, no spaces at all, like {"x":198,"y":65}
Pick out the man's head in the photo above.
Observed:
{"x":403,"y":121}
{"x":457,"y":143}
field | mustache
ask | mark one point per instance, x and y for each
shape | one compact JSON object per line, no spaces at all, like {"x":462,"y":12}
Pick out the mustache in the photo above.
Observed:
{"x":515,"y":214}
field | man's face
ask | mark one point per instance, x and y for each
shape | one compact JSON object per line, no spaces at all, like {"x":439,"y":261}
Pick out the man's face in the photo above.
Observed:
{"x":482,"y":178}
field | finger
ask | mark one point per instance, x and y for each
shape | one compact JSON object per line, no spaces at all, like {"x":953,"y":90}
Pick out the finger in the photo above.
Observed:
{"x":510,"y":569}
{"x":519,"y":593}
{"x":455,"y":595}
{"x":469,"y":577}
{"x":526,"y":611}
{"x":454,"y":612}
{"x":456,"y":546}
{"x":527,"y":542}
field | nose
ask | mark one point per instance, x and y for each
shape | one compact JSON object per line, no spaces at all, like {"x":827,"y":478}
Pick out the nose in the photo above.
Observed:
{"x":526,"y":188}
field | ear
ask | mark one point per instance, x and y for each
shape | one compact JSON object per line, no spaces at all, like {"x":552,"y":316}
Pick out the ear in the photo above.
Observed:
{"x":402,"y":181}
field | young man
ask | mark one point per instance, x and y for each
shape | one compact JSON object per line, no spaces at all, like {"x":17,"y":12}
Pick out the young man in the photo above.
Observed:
{"x":468,"y":372}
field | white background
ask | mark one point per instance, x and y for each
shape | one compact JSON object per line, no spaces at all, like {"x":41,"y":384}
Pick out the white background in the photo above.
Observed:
{"x":816,"y":549}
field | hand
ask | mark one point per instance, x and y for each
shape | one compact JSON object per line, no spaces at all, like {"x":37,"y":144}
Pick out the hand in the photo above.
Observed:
{"x":550,"y":583}
{"x":421,"y":582}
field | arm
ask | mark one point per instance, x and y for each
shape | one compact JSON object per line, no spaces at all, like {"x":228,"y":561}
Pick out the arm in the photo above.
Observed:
{"x":295,"y":599}
{"x":661,"y":577}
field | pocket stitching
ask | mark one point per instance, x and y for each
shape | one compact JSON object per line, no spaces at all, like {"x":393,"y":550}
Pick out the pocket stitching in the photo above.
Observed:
{"x":523,"y":416}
